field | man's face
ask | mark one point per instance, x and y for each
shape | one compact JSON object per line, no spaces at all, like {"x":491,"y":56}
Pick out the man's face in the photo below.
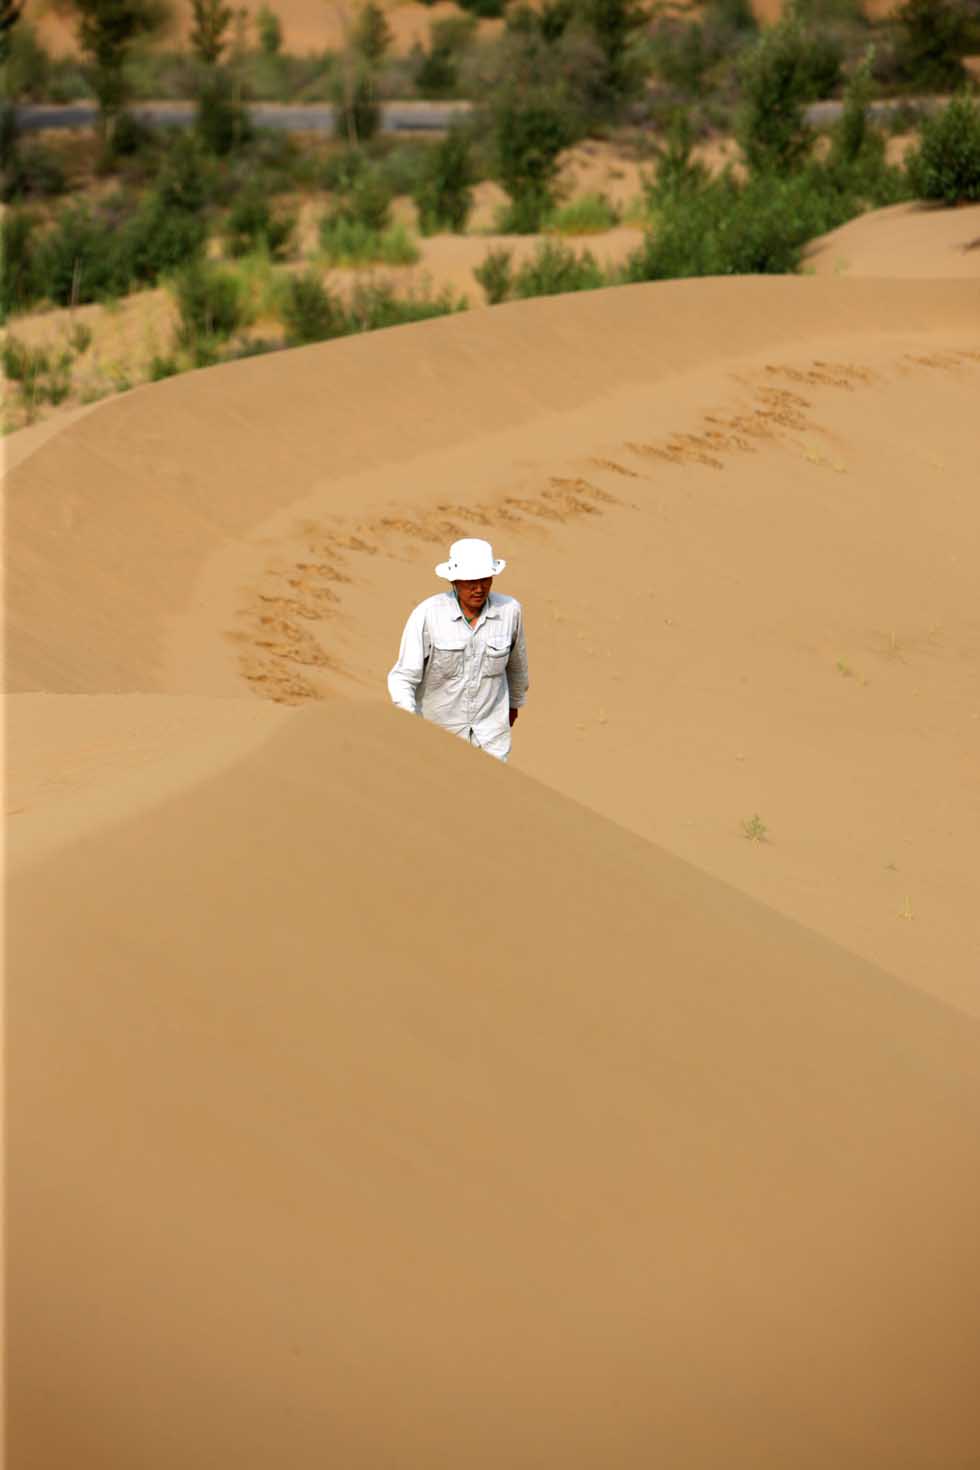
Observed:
{"x":472,"y":595}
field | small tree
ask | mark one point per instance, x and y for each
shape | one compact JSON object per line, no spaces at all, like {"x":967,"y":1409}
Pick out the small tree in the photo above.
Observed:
{"x":209,"y":33}
{"x":445,"y":194}
{"x":10,"y":13}
{"x":529,"y":134}
{"x":776,"y":84}
{"x":615,"y":26}
{"x":270,"y":31}
{"x":107,"y":32}
{"x":371,"y":35}
{"x":946,"y":165}
{"x":932,"y":36}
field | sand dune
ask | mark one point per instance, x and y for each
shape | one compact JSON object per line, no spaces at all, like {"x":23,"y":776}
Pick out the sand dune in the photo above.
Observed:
{"x":375,"y":1104}
{"x":622,"y":1165}
{"x":906,"y":240}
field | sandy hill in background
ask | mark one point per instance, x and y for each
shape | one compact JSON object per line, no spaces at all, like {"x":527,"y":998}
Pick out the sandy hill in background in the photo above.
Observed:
{"x":374,"y":1103}
{"x":318,"y":25}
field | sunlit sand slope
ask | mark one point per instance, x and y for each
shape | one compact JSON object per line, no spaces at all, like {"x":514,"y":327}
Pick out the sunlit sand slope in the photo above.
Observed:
{"x":373,"y":1105}
{"x":907,"y":240}
{"x":738,"y":514}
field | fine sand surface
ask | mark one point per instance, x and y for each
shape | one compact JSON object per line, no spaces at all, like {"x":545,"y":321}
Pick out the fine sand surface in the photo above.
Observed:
{"x":377,"y":1105}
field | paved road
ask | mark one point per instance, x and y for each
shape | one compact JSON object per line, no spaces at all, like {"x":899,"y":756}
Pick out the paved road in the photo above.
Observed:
{"x":397,"y":117}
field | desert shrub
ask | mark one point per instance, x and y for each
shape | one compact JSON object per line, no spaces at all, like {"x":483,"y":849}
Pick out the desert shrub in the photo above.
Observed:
{"x":132,"y":138}
{"x":484,"y":9}
{"x":33,"y":171}
{"x":728,"y":229}
{"x":166,"y":231}
{"x":187,"y":179}
{"x":495,"y":275}
{"x":365,"y":200}
{"x":856,"y":164}
{"x":309,"y":312}
{"x":20,"y":362}
{"x":776,"y":84}
{"x":590,"y":214}
{"x":931,"y":38}
{"x":19,"y":284}
{"x":676,"y":174}
{"x":375,"y":304}
{"x":81,"y":258}
{"x":222,"y":122}
{"x":253,"y":225}
{"x":351,"y":242}
{"x":437,"y":70}
{"x":161,"y":367}
{"x":528,"y":137}
{"x":269,"y":27}
{"x":554,"y":269}
{"x":339,"y":170}
{"x":210,"y":304}
{"x":444,"y":194}
{"x":403,"y":166}
{"x":945,"y":166}
{"x":682,"y":54}
{"x":26,"y":64}
{"x":357,"y":110}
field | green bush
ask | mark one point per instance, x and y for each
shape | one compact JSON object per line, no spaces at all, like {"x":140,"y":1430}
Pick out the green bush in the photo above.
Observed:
{"x":776,"y":84}
{"x":270,"y":31}
{"x":26,"y":65}
{"x":676,"y":174}
{"x":495,"y":275}
{"x":590,"y":214}
{"x":529,"y":135}
{"x":309,"y":312}
{"x":20,"y":362}
{"x":357,"y":111}
{"x":132,"y":138}
{"x":222,"y":122}
{"x":444,"y":195}
{"x":757,"y":229}
{"x":945,"y":166}
{"x":554,"y":269}
{"x":374,"y":305}
{"x":19,"y":284}
{"x":160,"y":238}
{"x":931,"y":38}
{"x":33,"y":171}
{"x":81,"y":258}
{"x":350,"y":242}
{"x":253,"y":225}
{"x":210,"y":303}
{"x":365,"y":200}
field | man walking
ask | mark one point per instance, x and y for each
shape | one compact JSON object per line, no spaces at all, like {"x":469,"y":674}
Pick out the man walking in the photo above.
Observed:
{"x":462,"y":662}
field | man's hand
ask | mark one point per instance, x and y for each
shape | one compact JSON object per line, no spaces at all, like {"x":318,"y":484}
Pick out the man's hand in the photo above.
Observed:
{"x":513,"y":716}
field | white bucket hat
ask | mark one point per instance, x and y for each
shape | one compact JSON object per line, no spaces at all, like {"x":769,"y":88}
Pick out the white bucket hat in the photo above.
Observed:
{"x":469,"y":560}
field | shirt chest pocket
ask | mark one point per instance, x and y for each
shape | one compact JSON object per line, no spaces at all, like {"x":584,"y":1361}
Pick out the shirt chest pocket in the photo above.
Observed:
{"x":446,"y":659}
{"x":495,"y":657}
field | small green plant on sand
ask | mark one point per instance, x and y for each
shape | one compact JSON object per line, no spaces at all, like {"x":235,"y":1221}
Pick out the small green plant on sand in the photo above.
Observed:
{"x":495,"y":274}
{"x":591,"y":214}
{"x":754,"y":829}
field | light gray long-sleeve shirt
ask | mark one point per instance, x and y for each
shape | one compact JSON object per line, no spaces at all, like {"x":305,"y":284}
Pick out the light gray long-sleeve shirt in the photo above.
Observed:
{"x":466,"y":679}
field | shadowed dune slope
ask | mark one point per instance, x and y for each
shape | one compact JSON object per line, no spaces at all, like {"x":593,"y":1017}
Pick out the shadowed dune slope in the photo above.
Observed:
{"x":373,"y":1105}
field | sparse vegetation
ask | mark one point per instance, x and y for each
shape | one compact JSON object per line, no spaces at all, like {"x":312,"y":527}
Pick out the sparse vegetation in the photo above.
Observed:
{"x":754,"y":829}
{"x":590,"y":214}
{"x":945,"y":167}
